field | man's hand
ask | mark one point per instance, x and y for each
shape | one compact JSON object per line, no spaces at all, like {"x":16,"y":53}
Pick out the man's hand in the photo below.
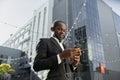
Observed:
{"x":75,"y":61}
{"x":70,"y":53}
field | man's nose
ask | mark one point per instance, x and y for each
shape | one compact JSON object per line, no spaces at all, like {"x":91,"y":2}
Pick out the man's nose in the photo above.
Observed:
{"x":62,"y":32}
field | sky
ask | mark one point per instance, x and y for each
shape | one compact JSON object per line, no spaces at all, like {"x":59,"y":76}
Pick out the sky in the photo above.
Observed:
{"x":114,"y":4}
{"x":17,"y":12}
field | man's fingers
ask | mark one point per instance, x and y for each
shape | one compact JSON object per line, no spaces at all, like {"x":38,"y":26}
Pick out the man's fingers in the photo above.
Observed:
{"x":76,"y":50}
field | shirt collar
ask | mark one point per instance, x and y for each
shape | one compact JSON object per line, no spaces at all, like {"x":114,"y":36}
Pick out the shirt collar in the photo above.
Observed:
{"x":57,"y":40}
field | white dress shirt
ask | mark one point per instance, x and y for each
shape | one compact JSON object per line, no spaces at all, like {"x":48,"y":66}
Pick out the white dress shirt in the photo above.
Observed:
{"x":58,"y":56}
{"x":61,"y":45}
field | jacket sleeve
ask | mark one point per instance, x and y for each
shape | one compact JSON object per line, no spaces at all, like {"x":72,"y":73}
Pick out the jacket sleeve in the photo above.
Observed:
{"x":41,"y":61}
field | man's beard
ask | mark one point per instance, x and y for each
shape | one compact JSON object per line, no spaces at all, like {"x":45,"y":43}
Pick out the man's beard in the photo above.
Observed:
{"x":59,"y":38}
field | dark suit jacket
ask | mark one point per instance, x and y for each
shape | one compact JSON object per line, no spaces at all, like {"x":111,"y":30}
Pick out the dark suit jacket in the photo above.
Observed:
{"x":47,"y":50}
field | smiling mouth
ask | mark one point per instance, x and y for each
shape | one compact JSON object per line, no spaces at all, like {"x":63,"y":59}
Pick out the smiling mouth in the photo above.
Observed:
{"x":61,"y":36}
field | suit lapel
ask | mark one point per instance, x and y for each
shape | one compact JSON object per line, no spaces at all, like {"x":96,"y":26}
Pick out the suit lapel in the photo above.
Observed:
{"x":56,"y":43}
{"x":64,"y":46}
{"x":65,"y":63}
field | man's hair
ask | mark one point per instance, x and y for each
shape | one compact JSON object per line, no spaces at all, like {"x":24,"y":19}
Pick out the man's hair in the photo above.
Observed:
{"x":57,"y":23}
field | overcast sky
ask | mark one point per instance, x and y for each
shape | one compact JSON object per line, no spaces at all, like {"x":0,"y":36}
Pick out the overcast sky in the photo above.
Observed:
{"x":114,"y":4}
{"x":18,"y":12}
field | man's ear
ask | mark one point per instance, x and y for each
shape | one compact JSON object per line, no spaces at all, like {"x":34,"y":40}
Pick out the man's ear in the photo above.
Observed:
{"x":52,"y":29}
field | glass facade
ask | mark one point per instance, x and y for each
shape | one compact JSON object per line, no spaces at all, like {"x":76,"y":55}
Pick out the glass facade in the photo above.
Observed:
{"x":117,"y":25}
{"x":87,"y":32}
{"x":94,"y":33}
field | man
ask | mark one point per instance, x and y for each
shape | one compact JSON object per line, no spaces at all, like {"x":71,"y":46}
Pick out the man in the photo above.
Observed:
{"x":53,"y":55}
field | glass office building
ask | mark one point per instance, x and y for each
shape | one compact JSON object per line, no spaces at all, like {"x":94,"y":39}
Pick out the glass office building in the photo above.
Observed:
{"x":88,"y":34}
{"x":87,"y":23}
{"x":89,"y":27}
{"x":82,"y":19}
{"x":117,"y":25}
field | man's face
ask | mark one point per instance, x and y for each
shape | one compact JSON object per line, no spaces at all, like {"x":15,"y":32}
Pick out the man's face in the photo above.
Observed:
{"x":60,"y":31}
